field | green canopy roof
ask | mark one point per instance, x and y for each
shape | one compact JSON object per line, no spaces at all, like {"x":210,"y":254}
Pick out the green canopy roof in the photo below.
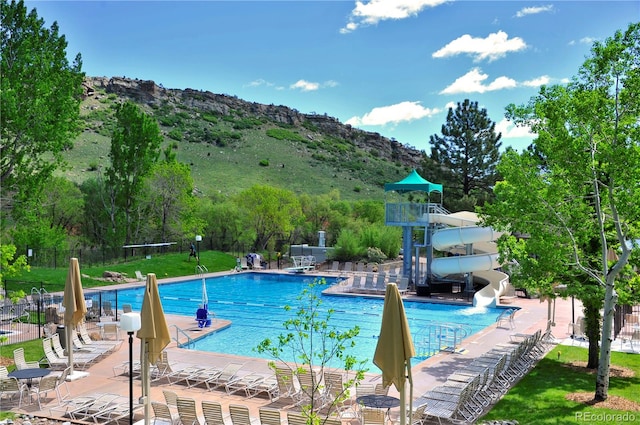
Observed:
{"x":413,"y":182}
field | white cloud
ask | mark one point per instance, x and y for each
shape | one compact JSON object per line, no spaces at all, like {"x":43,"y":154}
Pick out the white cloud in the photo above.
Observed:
{"x":510,"y":131}
{"x":473,"y":82}
{"x":259,"y":82}
{"x":393,"y":114}
{"x":583,"y":40}
{"x":495,"y":46}
{"x":449,"y":105}
{"x":374,"y":11}
{"x":534,"y":10}
{"x":537,"y":82}
{"x":304,"y":85}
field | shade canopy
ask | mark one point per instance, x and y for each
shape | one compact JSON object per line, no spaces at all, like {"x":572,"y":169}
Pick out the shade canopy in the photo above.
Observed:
{"x":395,"y":347}
{"x":414,"y":182}
{"x":74,"y":306}
{"x":154,"y":328}
{"x":154,"y":334}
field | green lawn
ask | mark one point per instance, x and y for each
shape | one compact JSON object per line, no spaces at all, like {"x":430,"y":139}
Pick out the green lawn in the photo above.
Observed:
{"x":163,"y":265}
{"x":539,"y":398}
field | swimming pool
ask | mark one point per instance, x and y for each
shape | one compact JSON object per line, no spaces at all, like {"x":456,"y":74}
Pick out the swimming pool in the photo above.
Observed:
{"x":255,"y":302}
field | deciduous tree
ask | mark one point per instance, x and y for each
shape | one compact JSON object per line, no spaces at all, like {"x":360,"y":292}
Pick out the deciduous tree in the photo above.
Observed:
{"x":268,"y":212}
{"x":135,"y":148}
{"x":575,"y":192}
{"x":40,"y":97}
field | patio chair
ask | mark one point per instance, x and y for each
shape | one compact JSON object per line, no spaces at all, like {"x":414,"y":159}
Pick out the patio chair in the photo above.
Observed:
{"x":295,"y":418}
{"x":55,"y":362}
{"x":86,"y":339}
{"x":381,"y":282}
{"x":188,"y":374}
{"x":285,"y":381}
{"x":220,"y":377}
{"x":161,"y":368}
{"x":21,"y":363}
{"x":126,"y":308}
{"x":115,"y":412}
{"x":335,"y":267}
{"x":170,"y":398}
{"x":368,"y":283}
{"x":506,"y":318}
{"x":309,"y":387}
{"x":90,"y":407}
{"x":239,"y":414}
{"x":212,"y":411}
{"x":107,"y":310}
{"x":110,"y":331}
{"x":269,"y":416}
{"x":4,"y":372}
{"x":356,"y":284}
{"x":403,"y":285}
{"x":241,"y":383}
{"x":187,"y":411}
{"x":11,"y":387}
{"x":371,"y":416}
{"x":267,"y":384}
{"x":162,"y":414}
{"x":47,"y":384}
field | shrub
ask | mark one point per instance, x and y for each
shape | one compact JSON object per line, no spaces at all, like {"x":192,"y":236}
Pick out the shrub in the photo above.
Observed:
{"x":264,"y":163}
{"x":284,"y":134}
{"x":175,"y":134}
{"x":347,"y":246}
{"x":375,"y":255}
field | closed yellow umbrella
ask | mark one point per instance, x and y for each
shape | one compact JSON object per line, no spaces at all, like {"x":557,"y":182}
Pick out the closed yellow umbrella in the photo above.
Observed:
{"x":154,"y":335}
{"x":74,"y":306}
{"x":395,"y":347}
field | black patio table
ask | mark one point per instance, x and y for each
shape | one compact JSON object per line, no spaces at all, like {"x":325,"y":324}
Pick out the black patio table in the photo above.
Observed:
{"x":29,"y":374}
{"x":378,"y":401}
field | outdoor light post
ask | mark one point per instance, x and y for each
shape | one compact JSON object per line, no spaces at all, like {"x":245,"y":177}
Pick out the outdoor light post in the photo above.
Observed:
{"x":198,"y":239}
{"x":130,"y":322}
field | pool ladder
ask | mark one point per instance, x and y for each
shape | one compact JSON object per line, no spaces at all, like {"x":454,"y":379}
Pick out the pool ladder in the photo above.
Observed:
{"x":179,"y":332}
{"x":437,"y":337}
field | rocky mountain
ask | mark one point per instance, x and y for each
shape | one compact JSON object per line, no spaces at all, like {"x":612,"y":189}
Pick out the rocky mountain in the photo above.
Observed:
{"x":221,"y":121}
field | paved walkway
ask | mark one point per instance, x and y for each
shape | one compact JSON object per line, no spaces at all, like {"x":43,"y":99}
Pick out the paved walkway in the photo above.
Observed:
{"x":533,"y":315}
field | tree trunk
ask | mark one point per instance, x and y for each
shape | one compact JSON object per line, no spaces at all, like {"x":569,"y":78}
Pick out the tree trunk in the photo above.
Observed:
{"x":592,"y":331}
{"x":602,"y":379}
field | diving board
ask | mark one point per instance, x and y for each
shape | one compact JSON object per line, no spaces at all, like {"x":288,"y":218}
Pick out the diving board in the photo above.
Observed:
{"x":302,"y":263}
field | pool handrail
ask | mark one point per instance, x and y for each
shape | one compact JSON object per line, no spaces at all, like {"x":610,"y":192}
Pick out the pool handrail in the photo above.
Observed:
{"x":179,"y":331}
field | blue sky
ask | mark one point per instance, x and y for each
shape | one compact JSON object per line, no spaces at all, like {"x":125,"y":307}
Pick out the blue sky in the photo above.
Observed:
{"x":389,"y":66}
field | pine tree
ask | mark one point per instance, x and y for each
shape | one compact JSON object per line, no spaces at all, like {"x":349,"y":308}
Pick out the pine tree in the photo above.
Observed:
{"x":464,"y":157}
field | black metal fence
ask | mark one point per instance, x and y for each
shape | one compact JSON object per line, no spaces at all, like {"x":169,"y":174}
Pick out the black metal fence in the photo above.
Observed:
{"x":54,"y":258}
{"x":39,"y":314}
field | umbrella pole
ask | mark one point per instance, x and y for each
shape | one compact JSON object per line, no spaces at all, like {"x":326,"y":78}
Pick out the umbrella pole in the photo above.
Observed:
{"x":67,"y":336}
{"x":146,"y":383}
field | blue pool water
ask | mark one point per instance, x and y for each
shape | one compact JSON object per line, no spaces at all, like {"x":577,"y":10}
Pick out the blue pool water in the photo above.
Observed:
{"x":254,"y":303}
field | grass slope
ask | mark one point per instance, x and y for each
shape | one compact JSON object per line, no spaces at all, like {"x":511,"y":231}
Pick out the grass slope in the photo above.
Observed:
{"x":307,"y":162}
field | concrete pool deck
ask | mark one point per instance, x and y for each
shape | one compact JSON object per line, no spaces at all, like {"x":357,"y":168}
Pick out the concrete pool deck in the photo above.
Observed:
{"x":532,"y":316}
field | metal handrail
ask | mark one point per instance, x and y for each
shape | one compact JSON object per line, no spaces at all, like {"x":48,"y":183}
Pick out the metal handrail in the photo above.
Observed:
{"x":437,"y":337}
{"x":201,"y":269}
{"x":179,"y":331}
